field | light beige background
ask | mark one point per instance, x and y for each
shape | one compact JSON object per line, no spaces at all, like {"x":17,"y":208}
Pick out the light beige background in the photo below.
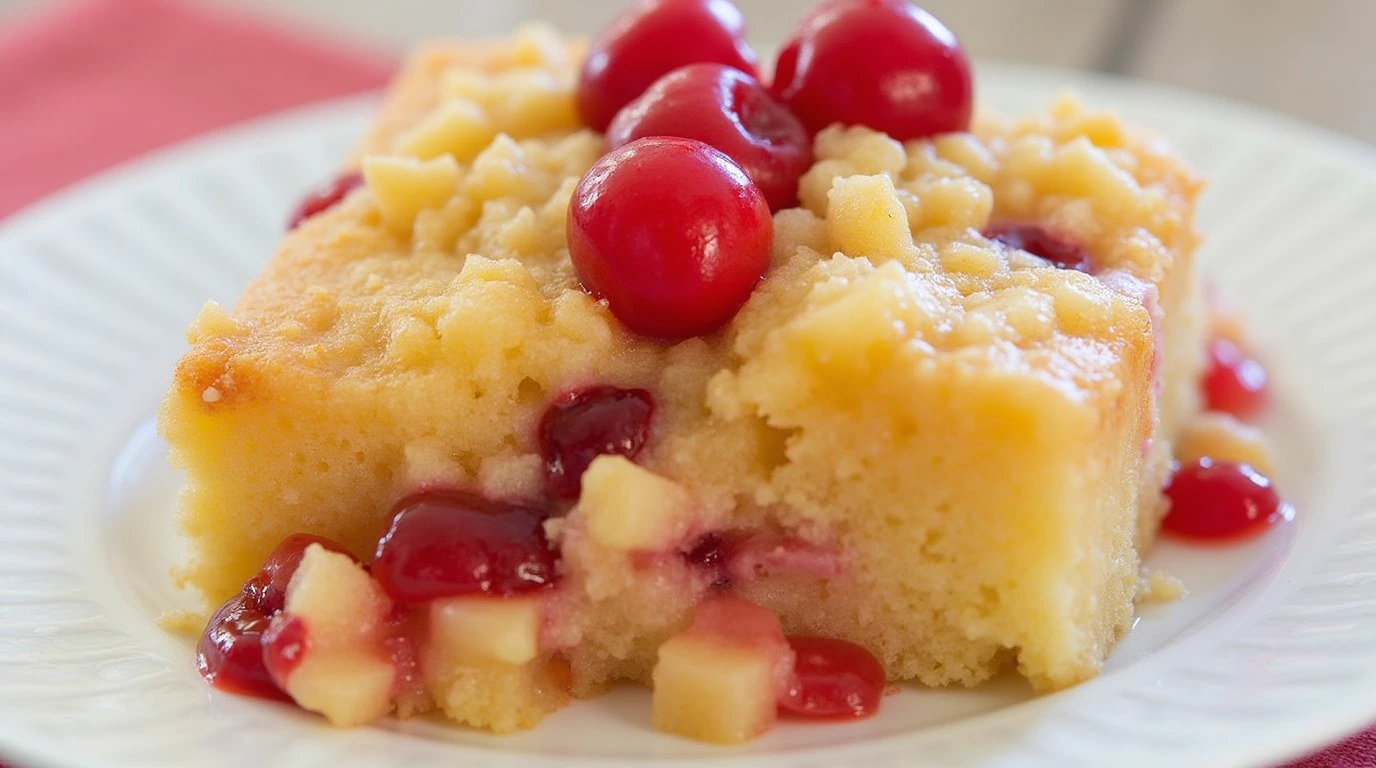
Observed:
{"x":1315,"y":59}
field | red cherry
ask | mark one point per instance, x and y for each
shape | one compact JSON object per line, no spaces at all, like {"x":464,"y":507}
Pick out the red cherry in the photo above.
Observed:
{"x":229,"y":654}
{"x":833,"y":679}
{"x":1219,"y":499}
{"x":1233,"y":380}
{"x":731,"y":111}
{"x":1038,"y":241}
{"x":652,"y":39}
{"x":325,"y":197}
{"x":886,"y":64}
{"x":285,"y":644}
{"x":447,"y":543}
{"x":582,"y":425}
{"x":268,"y":588}
{"x":672,"y":233}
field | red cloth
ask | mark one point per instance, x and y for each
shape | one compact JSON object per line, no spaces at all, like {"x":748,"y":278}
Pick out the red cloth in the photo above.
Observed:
{"x":99,"y":81}
{"x":96,"y":82}
{"x":1357,"y":752}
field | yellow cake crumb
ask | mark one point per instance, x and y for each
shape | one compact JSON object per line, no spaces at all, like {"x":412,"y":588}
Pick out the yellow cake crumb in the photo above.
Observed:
{"x":1157,"y":586}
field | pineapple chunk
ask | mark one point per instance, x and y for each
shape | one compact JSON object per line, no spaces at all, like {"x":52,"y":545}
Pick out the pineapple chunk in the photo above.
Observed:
{"x":478,"y":629}
{"x":720,"y":679}
{"x":866,"y":218}
{"x":710,"y":691}
{"x":458,"y":127}
{"x":344,"y":673}
{"x":348,"y":688}
{"x":338,"y":600}
{"x":1221,"y":437}
{"x":858,"y":330}
{"x":405,"y":186}
{"x":628,"y":507}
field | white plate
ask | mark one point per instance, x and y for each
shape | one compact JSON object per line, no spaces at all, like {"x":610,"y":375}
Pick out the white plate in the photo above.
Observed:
{"x":1270,"y":655}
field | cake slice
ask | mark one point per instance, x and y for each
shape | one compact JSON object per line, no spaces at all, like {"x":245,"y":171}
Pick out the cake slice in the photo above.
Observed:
{"x":937,"y":429}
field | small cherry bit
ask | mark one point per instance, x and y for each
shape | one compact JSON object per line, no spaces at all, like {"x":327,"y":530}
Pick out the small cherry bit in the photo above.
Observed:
{"x":1234,"y":381}
{"x":1219,"y":500}
{"x":833,"y":679}
{"x":326,"y":197}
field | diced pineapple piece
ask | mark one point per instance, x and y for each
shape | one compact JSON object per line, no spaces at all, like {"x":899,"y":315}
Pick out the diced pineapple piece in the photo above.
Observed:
{"x":866,"y":218}
{"x":405,"y":186}
{"x":1081,"y":169}
{"x":347,"y":687}
{"x":539,"y":45}
{"x":503,"y":169}
{"x":336,"y":598}
{"x":344,"y":672}
{"x":467,"y":84}
{"x":1222,"y":437}
{"x":863,"y":326}
{"x":459,"y":127}
{"x":712,"y":691}
{"x":535,"y":102}
{"x":720,"y":679}
{"x":629,"y":507}
{"x":477,"y":629}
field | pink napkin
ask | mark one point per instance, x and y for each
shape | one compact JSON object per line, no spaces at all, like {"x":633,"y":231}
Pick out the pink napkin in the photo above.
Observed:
{"x":1357,"y":752}
{"x":100,"y":81}
{"x":96,"y":82}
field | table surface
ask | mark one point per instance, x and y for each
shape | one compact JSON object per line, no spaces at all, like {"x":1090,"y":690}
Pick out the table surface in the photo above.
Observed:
{"x":1310,"y":58}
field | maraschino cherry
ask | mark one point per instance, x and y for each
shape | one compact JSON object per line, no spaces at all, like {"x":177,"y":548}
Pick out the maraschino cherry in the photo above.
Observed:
{"x":650,"y":40}
{"x":672,"y":234}
{"x":885,"y":64}
{"x":731,"y":111}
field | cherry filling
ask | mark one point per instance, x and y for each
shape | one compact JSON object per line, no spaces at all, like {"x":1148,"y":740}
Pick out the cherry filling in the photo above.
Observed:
{"x":325,"y":198}
{"x":1039,"y":241}
{"x":230,"y":653}
{"x":1234,"y":381}
{"x":731,"y":557}
{"x":1220,"y":500}
{"x":284,"y":645}
{"x":448,"y":543}
{"x":711,"y":553}
{"x":833,"y":679}
{"x":585,"y":424}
